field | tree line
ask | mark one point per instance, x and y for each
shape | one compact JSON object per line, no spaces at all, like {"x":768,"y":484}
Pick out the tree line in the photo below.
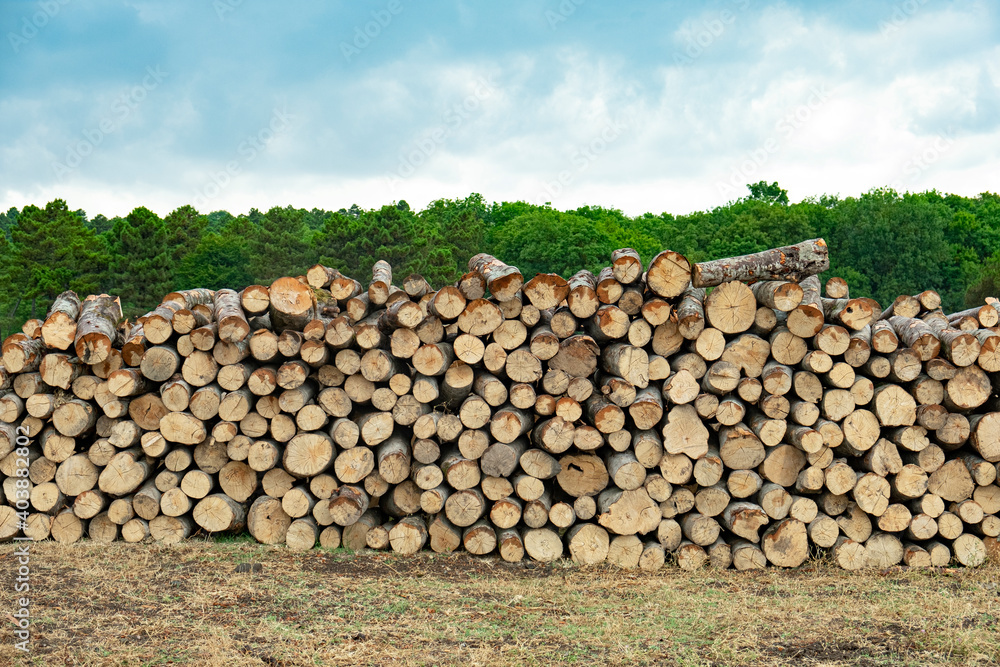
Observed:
{"x":883,"y":243}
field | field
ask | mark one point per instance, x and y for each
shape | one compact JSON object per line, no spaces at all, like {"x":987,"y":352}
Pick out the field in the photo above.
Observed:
{"x":208,"y":603}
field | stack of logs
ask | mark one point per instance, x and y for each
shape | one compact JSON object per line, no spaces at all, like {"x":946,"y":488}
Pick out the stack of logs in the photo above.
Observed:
{"x":724,"y":413}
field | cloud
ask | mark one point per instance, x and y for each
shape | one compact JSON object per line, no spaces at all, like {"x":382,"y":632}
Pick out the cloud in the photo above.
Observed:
{"x":660,"y":107}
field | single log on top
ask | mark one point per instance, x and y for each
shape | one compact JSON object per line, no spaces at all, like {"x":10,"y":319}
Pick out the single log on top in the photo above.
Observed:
{"x":96,"y":330}
{"x":793,"y":262}
{"x":502,"y":280}
{"x":321,"y":276}
{"x":59,"y":328}
{"x":292,"y":304}
{"x":233,"y":325}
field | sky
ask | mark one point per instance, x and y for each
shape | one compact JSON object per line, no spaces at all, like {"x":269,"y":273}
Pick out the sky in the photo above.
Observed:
{"x":637,"y":105}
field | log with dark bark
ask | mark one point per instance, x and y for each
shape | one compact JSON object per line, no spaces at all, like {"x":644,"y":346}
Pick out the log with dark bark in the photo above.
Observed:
{"x":788,"y":263}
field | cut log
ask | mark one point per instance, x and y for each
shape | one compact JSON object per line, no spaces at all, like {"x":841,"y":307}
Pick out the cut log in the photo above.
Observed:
{"x":502,"y":280}
{"x":792,"y":263}
{"x":731,"y":307}
{"x":669,"y":274}
{"x":59,"y":328}
{"x":785,"y":543}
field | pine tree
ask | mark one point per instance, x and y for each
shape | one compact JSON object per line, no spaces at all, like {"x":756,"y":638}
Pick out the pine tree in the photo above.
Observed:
{"x":183,"y":228}
{"x":51,"y":250}
{"x":278,"y":244}
{"x":221,"y":259}
{"x":140,"y":261}
{"x":461,"y":223}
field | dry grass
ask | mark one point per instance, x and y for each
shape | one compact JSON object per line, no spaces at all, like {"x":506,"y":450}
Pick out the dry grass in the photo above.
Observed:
{"x":187,"y":605}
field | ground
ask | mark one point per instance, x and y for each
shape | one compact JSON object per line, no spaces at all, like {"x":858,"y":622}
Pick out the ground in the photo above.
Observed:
{"x":241,"y":603}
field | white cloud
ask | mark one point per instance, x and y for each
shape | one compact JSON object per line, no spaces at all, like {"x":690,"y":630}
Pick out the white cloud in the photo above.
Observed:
{"x":776,"y":93}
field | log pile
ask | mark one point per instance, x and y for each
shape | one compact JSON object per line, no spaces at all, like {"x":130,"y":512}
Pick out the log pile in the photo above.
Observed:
{"x":732,"y":413}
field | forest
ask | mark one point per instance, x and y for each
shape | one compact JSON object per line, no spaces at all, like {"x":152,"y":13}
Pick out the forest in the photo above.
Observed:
{"x":883,"y":243}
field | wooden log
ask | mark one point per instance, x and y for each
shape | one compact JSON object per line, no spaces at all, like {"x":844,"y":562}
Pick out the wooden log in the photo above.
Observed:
{"x":588,"y":544}
{"x":691,"y":313}
{"x":854,"y":314}
{"x":968,"y":389}
{"x":747,"y":556}
{"x":267,"y":521}
{"x":883,"y":550}
{"x":731,"y":307}
{"x":218,"y":513}
{"x":951,"y":481}
{"x":745,"y":520}
{"x":785,"y":543}
{"x":582,"y":296}
{"x":669,"y":274}
{"x":628,"y":362}
{"x":292,"y":304}
{"x":778,"y":294}
{"x":543,"y":545}
{"x":463,"y":508}
{"x":849,"y":554}
{"x":22,"y":354}
{"x":792,"y":263}
{"x":67,"y":528}
{"x":502,"y":280}
{"x":308,"y":454}
{"x":480,"y":317}
{"x":627,"y":512}
{"x":917,"y":335}
{"x":232,"y":321}
{"x":546,"y":290}
{"x":59,"y":328}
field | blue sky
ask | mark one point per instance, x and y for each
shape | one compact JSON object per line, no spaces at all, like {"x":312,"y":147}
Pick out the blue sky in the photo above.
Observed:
{"x":643,"y":106}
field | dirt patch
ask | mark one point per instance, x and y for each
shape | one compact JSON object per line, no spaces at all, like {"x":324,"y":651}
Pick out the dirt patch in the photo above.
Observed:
{"x":451,"y":567}
{"x":243,"y":604}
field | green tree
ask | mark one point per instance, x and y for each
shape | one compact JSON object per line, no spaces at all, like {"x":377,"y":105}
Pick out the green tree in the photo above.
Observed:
{"x":772,"y":194}
{"x":328,"y":243}
{"x":898,"y":243}
{"x":221,"y":259}
{"x":49,"y":251}
{"x":398,"y":236}
{"x":278,"y":244}
{"x":548,"y":241}
{"x":99,"y":224}
{"x":183,"y":228}
{"x":462,"y":226}
{"x":141,"y":268}
{"x":8,"y":219}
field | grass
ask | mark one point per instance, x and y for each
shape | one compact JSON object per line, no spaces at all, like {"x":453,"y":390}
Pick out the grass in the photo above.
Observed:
{"x":186,"y":605}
